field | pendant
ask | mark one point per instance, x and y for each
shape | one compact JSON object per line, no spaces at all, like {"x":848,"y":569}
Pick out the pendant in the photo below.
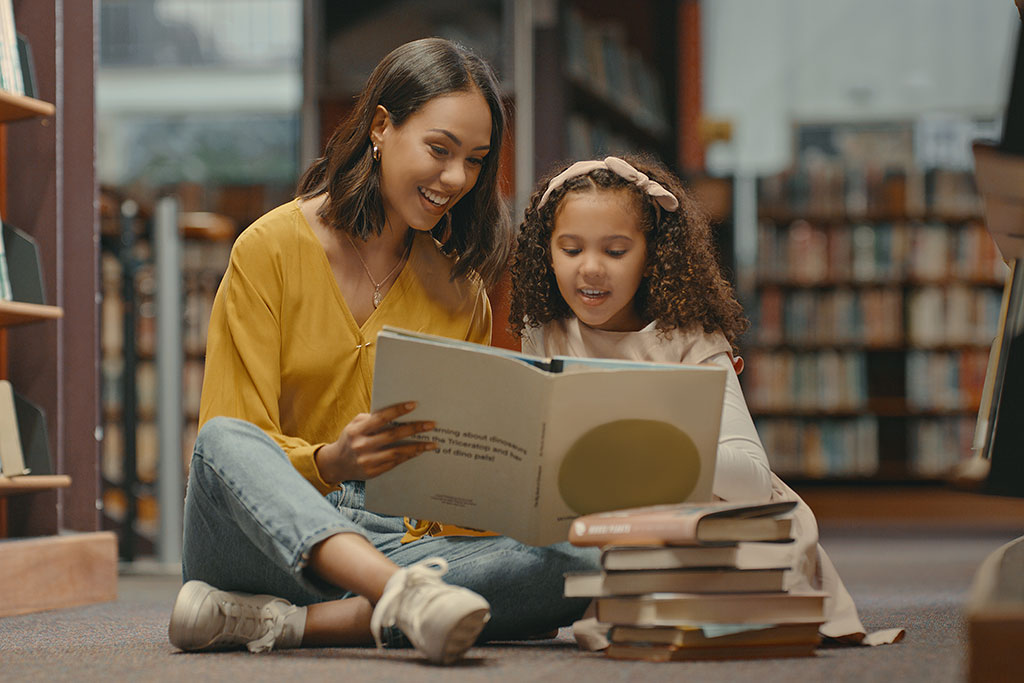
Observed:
{"x":376,"y":297}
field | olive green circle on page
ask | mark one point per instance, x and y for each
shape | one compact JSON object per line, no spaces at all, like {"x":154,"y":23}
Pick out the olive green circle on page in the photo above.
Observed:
{"x":628,"y":463}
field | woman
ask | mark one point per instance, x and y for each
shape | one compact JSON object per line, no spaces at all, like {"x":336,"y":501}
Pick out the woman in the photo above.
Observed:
{"x":399,"y":223}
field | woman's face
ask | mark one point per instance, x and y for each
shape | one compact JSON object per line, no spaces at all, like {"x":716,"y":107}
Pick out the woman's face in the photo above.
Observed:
{"x":598,"y":254}
{"x":433,"y":159}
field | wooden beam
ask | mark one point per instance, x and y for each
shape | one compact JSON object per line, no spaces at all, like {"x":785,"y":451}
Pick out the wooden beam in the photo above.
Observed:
{"x":56,"y":572}
{"x":688,"y":76}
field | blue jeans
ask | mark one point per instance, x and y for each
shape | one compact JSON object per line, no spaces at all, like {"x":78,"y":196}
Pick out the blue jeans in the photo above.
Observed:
{"x":251,"y":521}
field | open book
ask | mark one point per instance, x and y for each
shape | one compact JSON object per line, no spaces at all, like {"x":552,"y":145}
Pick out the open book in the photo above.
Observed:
{"x":527,"y":444}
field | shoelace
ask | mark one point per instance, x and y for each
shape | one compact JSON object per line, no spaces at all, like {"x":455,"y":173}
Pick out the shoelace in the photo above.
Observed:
{"x":409,"y":583}
{"x":248,"y":621}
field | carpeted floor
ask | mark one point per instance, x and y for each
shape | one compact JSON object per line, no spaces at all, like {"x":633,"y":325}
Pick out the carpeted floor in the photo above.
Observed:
{"x":911,"y":577}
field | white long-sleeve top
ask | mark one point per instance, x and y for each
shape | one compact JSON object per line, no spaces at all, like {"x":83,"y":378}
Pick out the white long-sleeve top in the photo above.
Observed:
{"x":741,"y":470}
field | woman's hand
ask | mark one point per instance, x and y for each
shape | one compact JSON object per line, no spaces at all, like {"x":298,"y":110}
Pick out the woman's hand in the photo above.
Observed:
{"x":372,"y":444}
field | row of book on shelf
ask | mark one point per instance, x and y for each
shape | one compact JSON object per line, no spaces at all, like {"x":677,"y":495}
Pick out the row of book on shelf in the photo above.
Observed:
{"x":957,"y":315}
{"x":14,"y":56}
{"x":839,"y":187}
{"x":146,"y":387}
{"x":837,"y":381}
{"x":697,"y":581}
{"x":599,"y":58}
{"x":200,"y":284}
{"x":821,"y":448}
{"x":802,"y":252}
{"x":822,"y":380}
{"x":842,"y":316}
{"x":587,"y":138}
{"x":848,"y":447}
{"x":952,"y":316}
{"x":947,"y":380}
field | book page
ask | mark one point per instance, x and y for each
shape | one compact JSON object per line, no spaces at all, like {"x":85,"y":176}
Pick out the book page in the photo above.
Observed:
{"x":488,"y":410}
{"x":621,"y":438}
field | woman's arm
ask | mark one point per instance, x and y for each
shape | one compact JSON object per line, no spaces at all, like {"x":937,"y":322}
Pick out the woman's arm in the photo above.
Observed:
{"x":742,"y":472}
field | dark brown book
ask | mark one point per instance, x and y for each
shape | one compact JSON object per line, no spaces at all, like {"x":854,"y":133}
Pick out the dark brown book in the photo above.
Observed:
{"x":597,"y":583}
{"x":739,"y":556}
{"x":800,"y":633}
{"x":667,"y":653}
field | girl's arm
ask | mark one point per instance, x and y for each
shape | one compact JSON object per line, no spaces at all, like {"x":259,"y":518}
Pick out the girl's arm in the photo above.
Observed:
{"x":742,"y":472}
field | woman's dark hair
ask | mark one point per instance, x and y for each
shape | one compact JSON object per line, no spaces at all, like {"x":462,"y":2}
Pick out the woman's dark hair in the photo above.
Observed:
{"x":683,"y":285}
{"x":411,"y":75}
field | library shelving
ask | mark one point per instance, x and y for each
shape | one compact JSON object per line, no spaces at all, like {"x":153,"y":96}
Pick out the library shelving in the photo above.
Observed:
{"x":872,"y":320}
{"x":52,"y":554}
{"x":128,"y":341}
{"x":605,"y":73}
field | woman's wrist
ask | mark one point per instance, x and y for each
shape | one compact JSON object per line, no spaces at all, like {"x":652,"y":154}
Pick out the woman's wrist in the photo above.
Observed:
{"x":326,"y":460}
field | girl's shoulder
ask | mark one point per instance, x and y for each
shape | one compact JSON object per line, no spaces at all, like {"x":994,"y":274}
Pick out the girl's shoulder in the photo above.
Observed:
{"x":694,"y":345}
{"x":569,"y":337}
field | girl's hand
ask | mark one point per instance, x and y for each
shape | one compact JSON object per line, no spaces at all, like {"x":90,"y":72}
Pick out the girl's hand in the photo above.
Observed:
{"x":372,"y":444}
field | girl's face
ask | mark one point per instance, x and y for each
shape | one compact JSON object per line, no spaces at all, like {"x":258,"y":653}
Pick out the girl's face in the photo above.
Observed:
{"x":433,"y":159}
{"x":598,"y":254}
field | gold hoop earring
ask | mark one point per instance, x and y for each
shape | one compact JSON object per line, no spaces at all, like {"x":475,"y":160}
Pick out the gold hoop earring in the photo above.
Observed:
{"x":375,"y":154}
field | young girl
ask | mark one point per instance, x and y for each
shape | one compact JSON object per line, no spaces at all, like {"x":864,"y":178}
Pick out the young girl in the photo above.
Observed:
{"x":401,"y":223}
{"x":615,"y":260}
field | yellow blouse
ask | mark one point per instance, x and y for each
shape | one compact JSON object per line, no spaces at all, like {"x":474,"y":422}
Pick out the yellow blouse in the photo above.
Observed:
{"x":283,"y":350}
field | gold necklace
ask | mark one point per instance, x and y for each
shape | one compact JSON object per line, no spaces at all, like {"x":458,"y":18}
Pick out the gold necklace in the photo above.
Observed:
{"x":377,"y":296}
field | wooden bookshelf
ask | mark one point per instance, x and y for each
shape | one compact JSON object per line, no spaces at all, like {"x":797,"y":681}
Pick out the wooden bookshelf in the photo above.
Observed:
{"x":49,"y":539}
{"x":10,"y":486}
{"x":57,"y":572}
{"x":19,"y":313}
{"x":16,"y":107}
{"x":874,"y":302}
{"x":606,"y":81}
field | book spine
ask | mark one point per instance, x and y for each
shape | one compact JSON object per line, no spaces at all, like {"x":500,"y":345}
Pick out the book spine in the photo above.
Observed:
{"x":6,"y":292}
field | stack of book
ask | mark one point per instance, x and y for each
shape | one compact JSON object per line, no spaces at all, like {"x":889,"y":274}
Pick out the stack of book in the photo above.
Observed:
{"x":697,"y":581}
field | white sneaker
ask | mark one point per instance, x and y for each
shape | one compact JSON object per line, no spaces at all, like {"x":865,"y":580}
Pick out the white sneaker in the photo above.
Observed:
{"x":440,"y":620}
{"x":205,"y":618}
{"x":591,"y":634}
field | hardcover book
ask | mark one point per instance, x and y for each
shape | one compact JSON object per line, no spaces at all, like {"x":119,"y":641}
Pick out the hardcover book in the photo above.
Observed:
{"x":23,"y":265}
{"x":685,"y":524}
{"x":12,"y":459}
{"x":668,"y":609}
{"x":527,"y":444}
{"x":799,"y":633}
{"x":6,"y":292}
{"x":739,"y":556}
{"x":639,"y":582}
{"x":667,"y":653}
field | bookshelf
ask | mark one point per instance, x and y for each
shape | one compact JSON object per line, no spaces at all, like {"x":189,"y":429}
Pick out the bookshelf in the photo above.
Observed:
{"x":17,"y":107}
{"x":605,"y":79}
{"x":876,"y":298}
{"x":50,"y":547}
{"x":19,"y":313}
{"x":128,"y":342}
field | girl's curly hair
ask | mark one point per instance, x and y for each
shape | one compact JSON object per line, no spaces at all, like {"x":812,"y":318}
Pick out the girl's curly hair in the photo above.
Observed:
{"x":682,"y":285}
